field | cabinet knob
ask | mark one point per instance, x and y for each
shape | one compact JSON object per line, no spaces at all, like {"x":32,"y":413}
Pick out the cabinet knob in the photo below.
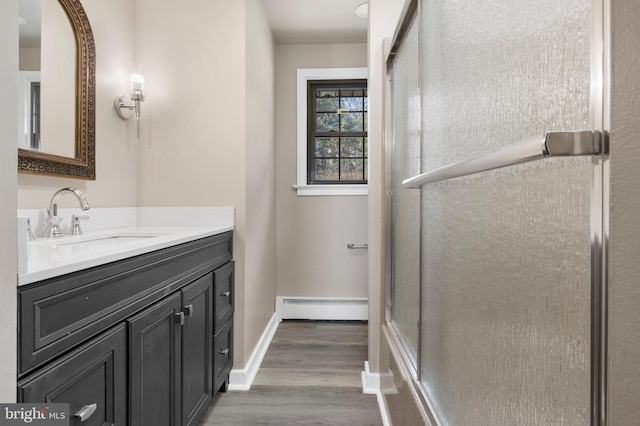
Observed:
{"x":188,"y":310}
{"x":225,"y":293}
{"x":85,"y":412}
{"x":224,"y":352}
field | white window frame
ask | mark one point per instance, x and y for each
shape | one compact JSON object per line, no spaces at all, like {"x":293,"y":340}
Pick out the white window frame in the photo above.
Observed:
{"x":304,"y":75}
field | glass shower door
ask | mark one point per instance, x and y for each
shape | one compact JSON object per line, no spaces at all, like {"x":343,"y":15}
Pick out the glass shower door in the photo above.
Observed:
{"x":505,"y":266}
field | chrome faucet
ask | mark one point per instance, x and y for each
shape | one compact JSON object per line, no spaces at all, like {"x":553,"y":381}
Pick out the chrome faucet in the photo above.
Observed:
{"x":53,"y":220}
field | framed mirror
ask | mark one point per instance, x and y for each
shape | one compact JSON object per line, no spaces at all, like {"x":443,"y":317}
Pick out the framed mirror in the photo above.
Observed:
{"x":58,"y":103}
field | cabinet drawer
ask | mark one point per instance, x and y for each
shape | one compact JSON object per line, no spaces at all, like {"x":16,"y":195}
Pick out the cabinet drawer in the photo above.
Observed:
{"x":57,"y":314}
{"x":223,"y":279}
{"x":222,"y":355}
{"x":93,"y":378}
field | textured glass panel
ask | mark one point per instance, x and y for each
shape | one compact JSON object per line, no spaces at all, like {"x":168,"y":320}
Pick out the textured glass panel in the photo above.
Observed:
{"x":506,"y":253}
{"x":406,"y":203}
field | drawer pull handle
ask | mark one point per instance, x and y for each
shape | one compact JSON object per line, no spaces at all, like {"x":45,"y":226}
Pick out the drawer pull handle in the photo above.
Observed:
{"x":86,"y":412}
{"x":180,"y":317}
{"x":224,"y":352}
{"x":225,"y":293}
{"x":189,"y":310}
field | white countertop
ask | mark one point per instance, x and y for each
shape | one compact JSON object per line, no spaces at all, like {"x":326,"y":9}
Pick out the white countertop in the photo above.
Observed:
{"x":49,"y":258}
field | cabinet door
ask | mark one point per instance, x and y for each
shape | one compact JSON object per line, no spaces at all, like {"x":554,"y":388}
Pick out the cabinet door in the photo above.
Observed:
{"x":154,"y":359}
{"x":224,"y":294}
{"x":197,"y":362}
{"x":92,"y":380}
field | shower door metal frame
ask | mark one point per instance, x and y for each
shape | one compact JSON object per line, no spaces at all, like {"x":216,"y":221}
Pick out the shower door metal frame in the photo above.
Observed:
{"x":600,"y":184}
{"x":410,"y":12}
{"x":599,"y":206}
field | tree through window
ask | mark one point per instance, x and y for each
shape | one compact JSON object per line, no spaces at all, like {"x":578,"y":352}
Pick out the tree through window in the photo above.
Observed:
{"x":337,"y":132}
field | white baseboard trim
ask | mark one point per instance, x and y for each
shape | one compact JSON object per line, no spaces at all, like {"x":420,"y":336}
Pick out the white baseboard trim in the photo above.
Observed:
{"x":371,"y":385}
{"x":322,"y":308}
{"x":384,"y":412}
{"x":241,"y":379}
{"x":370,"y":381}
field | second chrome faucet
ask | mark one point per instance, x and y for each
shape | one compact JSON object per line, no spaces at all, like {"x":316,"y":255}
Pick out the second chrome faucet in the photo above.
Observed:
{"x":53,"y":220}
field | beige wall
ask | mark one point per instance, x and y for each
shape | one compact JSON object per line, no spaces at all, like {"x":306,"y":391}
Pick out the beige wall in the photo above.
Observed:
{"x":624,"y":291}
{"x":8,"y":167}
{"x":207,"y":134}
{"x":383,"y":19}
{"x":260,"y":255}
{"x":192,"y":148}
{"x":313,"y":232}
{"x":116,"y":156}
{"x":29,"y":59}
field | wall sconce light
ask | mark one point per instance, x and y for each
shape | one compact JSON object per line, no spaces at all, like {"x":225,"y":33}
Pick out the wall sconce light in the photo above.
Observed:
{"x":137,"y":96}
{"x":362,"y":11}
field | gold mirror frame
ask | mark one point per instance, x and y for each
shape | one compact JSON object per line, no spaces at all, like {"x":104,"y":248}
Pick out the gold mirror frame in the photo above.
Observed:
{"x":83,"y":166}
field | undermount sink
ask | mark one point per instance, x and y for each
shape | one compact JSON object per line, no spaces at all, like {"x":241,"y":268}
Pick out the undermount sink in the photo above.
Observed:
{"x":109,"y":240}
{"x":104,"y":240}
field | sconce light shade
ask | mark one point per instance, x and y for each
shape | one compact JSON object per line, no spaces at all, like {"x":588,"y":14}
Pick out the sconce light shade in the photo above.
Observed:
{"x":123,"y":110}
{"x":137,"y":82}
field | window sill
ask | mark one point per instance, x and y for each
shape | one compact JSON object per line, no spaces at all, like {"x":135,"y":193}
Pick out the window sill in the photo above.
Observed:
{"x":321,"y":190}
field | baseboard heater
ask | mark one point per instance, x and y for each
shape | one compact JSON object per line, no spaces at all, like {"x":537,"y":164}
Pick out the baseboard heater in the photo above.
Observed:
{"x":323,"y":308}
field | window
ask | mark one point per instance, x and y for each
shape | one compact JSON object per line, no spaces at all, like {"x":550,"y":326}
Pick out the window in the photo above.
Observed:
{"x":337,"y":132}
{"x":332,"y":131}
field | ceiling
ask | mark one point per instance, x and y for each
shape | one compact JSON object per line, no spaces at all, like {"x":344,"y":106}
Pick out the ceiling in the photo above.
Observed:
{"x":292,"y":21}
{"x":30,"y":11}
{"x":316,"y":21}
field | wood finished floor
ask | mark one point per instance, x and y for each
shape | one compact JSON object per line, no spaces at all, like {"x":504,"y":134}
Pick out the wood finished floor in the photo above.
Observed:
{"x":310,"y":375}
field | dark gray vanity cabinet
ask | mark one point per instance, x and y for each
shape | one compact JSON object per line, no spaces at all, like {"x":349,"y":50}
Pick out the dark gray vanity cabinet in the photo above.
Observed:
{"x":148,"y":339}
